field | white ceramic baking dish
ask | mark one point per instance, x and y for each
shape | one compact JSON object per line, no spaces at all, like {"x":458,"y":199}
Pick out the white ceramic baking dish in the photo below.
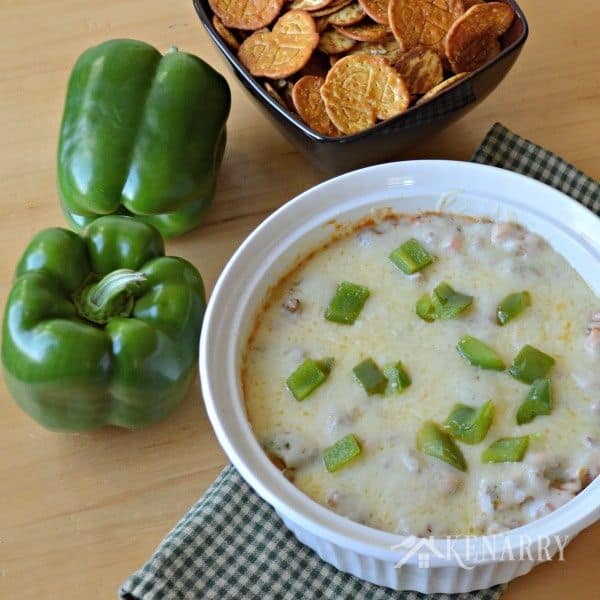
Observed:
{"x":302,"y":224}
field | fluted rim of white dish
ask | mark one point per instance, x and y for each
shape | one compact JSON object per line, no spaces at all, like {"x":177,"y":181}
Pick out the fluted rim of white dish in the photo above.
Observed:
{"x":567,"y":225}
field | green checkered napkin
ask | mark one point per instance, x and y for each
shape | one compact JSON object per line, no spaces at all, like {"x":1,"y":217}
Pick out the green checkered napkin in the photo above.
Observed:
{"x":231,"y":544}
{"x":502,"y":148}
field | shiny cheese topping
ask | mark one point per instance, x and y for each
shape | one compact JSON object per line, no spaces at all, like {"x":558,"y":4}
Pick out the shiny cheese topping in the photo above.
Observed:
{"x":391,"y":485}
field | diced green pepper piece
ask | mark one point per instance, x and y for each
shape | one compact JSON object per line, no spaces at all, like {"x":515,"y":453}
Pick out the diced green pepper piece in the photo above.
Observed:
{"x":346,"y":304}
{"x":398,"y":378}
{"x":370,"y":377}
{"x":451,"y":302}
{"x":538,"y":402}
{"x":510,"y":449}
{"x":512,"y":306}
{"x":444,"y":303}
{"x":411,"y":257}
{"x":425,"y":308}
{"x":530,"y":364}
{"x":434,"y":441}
{"x":308,"y":377}
{"x":326,"y":364}
{"x":443,"y":292}
{"x":341,"y":453}
{"x":479,"y":354}
{"x":470,"y":425}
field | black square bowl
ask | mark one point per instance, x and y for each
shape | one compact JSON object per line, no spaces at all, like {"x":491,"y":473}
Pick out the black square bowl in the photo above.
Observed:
{"x":389,"y":139}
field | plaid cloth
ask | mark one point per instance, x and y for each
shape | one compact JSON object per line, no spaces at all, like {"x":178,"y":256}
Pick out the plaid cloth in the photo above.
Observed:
{"x":502,"y":148}
{"x":231,"y":544}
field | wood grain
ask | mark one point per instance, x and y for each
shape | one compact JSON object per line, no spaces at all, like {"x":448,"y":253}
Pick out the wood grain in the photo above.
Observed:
{"x":80,"y":512}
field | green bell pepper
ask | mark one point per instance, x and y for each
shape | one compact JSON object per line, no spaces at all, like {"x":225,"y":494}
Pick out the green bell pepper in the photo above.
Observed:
{"x":510,"y":449}
{"x":443,"y":303}
{"x":411,"y":257}
{"x":347,"y":302}
{"x":341,"y":453}
{"x":142,"y":134}
{"x":539,"y":402}
{"x":468,"y":424}
{"x":479,"y":354}
{"x":434,"y":441}
{"x":308,"y":376}
{"x":370,"y":376}
{"x":512,"y":306}
{"x":398,"y":378}
{"x":531,"y":364}
{"x":101,"y":328}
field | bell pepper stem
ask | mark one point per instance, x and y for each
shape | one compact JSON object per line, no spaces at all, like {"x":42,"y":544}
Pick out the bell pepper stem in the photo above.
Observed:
{"x":112,"y":296}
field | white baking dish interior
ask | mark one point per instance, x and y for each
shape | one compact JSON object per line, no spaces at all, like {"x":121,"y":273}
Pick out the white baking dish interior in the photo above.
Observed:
{"x":303,"y":224}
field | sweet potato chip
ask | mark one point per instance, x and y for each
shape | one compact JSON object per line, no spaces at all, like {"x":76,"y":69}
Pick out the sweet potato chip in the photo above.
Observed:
{"x":295,"y":22}
{"x":331,"y":8}
{"x":473,"y":39}
{"x":421,"y":69}
{"x":349,"y":15}
{"x":359,"y":89}
{"x":284,"y":50}
{"x":246,"y":14}
{"x":365,"y":32}
{"x":333,"y":42}
{"x":377,"y":10}
{"x":286,"y":93}
{"x":310,"y":106}
{"x":388,"y":49}
{"x":469,"y":3}
{"x":225,"y":33}
{"x":423,"y":22}
{"x":440,"y":87}
{"x":270,"y":89}
{"x":309,"y":4}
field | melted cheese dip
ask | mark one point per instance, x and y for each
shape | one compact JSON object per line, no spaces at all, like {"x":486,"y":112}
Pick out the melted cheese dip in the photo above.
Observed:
{"x":391,"y":485}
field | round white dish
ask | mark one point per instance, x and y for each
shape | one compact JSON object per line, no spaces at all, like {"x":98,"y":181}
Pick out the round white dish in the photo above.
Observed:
{"x":272,"y":249}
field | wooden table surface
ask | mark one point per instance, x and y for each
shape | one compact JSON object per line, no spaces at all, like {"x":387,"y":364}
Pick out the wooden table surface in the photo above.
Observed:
{"x":79,"y":512}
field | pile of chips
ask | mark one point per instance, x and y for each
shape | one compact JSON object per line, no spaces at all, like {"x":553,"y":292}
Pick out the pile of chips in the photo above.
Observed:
{"x":344,"y":65}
